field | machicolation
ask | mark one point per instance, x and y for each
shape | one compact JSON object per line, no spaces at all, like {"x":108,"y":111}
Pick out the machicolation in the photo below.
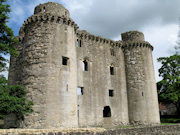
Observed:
{"x":77,"y":79}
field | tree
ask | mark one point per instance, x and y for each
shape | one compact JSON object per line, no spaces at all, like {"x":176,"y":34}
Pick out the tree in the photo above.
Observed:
{"x":169,"y":86}
{"x":7,"y":38}
{"x":12,"y":98}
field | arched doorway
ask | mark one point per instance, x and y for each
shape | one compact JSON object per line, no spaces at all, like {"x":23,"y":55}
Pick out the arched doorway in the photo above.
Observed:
{"x":107,"y":111}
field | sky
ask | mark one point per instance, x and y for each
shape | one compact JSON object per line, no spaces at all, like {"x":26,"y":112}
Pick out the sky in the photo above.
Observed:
{"x":157,"y":19}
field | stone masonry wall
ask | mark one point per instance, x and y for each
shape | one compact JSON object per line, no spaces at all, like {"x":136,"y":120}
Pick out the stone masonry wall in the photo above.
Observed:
{"x":141,"y":88}
{"x":154,"y":130}
{"x":97,"y":82}
{"x":117,"y":86}
{"x":47,"y":38}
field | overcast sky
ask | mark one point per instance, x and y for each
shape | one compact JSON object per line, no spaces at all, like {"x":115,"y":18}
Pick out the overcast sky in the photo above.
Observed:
{"x":157,"y":19}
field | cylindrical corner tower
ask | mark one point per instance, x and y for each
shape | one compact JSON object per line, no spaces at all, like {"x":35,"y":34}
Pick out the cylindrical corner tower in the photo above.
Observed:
{"x":48,"y":67}
{"x":141,"y":85}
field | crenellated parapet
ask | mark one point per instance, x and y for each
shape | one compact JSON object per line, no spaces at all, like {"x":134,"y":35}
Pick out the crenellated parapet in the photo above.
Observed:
{"x":135,"y":44}
{"x":46,"y":18}
{"x":131,"y":39}
{"x":134,"y":39}
{"x":51,"y":18}
{"x":82,"y":34}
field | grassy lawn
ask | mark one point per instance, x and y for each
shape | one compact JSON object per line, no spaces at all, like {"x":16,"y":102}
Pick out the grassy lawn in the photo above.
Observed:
{"x":170,"y":120}
{"x":167,"y":123}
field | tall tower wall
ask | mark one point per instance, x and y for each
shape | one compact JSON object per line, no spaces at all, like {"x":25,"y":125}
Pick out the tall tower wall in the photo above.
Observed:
{"x":141,"y":86}
{"x":48,"y":66}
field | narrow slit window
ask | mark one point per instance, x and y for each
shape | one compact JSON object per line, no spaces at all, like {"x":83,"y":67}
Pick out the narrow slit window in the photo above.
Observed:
{"x":79,"y":43}
{"x":78,"y":113}
{"x":65,"y":60}
{"x":80,"y":90}
{"x":111,"y":70}
{"x":85,"y":65}
{"x":111,"y":93}
{"x":67,"y":87}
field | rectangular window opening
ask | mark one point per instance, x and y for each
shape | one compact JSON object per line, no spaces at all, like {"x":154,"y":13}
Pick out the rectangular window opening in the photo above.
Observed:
{"x":65,"y":60}
{"x":78,"y":43}
{"x":111,"y":93}
{"x":112,"y":70}
{"x":80,"y":90}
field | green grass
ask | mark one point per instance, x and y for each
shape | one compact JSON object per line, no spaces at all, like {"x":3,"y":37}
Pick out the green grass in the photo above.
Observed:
{"x":127,"y":126}
{"x":170,"y":120}
{"x":167,"y":123}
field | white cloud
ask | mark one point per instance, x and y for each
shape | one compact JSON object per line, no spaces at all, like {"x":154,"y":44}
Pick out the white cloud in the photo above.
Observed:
{"x":163,"y":38}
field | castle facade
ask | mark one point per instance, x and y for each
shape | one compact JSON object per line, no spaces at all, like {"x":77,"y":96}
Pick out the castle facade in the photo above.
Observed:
{"x":76,"y":79}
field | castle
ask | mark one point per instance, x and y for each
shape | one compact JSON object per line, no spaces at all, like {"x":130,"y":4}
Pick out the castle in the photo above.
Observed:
{"x":76,"y":79}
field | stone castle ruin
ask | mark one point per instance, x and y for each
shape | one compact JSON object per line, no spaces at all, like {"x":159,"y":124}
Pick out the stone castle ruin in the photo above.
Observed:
{"x":76,"y":79}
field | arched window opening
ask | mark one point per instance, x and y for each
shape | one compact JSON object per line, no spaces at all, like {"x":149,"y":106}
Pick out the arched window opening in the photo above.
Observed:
{"x":85,"y":65}
{"x":112,"y":70}
{"x":78,"y":43}
{"x":107,"y":111}
{"x":65,"y":13}
{"x":44,"y":9}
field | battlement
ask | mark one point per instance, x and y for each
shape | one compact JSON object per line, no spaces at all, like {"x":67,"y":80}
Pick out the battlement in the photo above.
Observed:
{"x":53,"y":8}
{"x":53,"y":18}
{"x":82,"y":34}
{"x":46,"y":17}
{"x":135,"y":44}
{"x":132,"y":36}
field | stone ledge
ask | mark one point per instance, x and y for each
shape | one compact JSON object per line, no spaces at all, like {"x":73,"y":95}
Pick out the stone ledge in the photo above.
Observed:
{"x":148,"y":130}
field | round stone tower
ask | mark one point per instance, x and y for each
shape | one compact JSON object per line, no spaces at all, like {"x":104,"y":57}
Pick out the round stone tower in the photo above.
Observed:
{"x":141,"y":85}
{"x":48,"y":67}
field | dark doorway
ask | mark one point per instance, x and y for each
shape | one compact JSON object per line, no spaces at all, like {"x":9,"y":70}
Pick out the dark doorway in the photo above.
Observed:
{"x":107,"y":111}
